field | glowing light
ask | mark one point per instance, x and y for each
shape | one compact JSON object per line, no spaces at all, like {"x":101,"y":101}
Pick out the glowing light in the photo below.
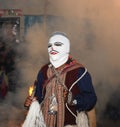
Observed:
{"x":31,"y":89}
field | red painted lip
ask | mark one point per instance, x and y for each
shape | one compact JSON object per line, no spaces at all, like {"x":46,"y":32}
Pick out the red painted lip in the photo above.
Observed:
{"x":53,"y":53}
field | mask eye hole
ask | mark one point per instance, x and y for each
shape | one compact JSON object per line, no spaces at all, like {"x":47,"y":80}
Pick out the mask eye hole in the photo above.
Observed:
{"x":58,"y":44}
{"x":49,"y":45}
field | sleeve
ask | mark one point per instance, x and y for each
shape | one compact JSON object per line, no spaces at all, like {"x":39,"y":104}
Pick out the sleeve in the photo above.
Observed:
{"x":87,"y":98}
{"x":38,"y":91}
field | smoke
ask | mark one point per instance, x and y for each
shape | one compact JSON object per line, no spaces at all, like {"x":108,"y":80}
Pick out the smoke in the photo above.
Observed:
{"x":93,"y":28}
{"x":35,"y":54}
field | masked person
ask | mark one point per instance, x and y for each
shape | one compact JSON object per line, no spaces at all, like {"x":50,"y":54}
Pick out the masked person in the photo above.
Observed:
{"x":63,"y":86}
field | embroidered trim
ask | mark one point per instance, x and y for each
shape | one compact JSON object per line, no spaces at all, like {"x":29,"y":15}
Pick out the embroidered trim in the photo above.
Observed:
{"x":72,"y":87}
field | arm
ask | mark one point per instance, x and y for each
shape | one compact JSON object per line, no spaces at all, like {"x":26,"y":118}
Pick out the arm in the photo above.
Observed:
{"x":38,"y":91}
{"x":86,"y":99}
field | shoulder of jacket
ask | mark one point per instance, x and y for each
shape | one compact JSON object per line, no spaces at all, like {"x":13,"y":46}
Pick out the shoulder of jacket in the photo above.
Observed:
{"x":44,"y":67}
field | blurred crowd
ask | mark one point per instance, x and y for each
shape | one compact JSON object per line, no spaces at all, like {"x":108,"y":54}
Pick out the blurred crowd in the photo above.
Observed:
{"x":7,"y":67}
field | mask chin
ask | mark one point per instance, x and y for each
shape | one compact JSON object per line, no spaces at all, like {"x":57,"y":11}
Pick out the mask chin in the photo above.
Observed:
{"x":59,"y":62}
{"x":54,"y":57}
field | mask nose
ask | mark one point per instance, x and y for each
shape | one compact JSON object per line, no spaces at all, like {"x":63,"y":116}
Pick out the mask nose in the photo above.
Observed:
{"x":52,"y":48}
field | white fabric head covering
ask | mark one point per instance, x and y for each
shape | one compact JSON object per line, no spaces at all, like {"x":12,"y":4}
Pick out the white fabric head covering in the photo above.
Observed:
{"x":62,"y":54}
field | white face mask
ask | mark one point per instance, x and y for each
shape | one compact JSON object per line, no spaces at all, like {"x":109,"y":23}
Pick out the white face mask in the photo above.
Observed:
{"x":58,"y":49}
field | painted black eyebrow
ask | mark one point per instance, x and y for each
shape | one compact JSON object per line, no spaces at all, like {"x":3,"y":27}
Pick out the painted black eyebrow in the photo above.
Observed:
{"x":49,"y":45}
{"x":57,"y":42}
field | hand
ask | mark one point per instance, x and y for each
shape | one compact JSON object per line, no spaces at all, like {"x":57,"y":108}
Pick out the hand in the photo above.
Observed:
{"x":29,"y":100}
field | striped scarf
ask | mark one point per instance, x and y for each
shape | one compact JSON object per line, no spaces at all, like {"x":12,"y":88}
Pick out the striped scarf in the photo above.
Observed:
{"x":55,"y":87}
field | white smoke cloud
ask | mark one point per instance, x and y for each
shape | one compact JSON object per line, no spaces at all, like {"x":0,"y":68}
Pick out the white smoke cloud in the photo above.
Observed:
{"x":93,"y":27}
